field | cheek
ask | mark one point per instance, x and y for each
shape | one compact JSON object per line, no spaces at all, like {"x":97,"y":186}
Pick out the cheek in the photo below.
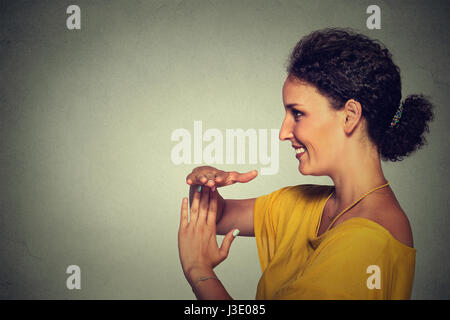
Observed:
{"x":323,"y":140}
{"x":331,"y":143}
{"x":318,"y":138}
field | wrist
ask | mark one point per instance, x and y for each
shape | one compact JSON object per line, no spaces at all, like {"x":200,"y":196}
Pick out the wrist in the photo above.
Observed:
{"x":195,"y":273}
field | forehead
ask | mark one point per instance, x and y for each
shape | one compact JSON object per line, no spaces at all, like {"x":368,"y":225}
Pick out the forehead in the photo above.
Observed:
{"x":300,"y":92}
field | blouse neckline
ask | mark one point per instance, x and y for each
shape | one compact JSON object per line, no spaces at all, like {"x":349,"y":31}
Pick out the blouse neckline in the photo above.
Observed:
{"x":365,"y":221}
{"x":322,"y":208}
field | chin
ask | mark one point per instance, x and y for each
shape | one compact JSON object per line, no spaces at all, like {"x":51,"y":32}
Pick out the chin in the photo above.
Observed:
{"x":304,"y":172}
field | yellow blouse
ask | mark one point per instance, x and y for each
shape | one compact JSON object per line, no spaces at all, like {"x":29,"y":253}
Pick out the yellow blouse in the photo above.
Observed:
{"x":357,"y":259}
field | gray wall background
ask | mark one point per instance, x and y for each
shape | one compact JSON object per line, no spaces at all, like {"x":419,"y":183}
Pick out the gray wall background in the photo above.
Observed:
{"x":87,"y":116}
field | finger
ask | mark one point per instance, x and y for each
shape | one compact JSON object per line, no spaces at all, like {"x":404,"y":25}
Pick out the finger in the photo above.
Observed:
{"x":221,"y":178}
{"x":210,"y":183}
{"x":195,"y":205}
{"x":234,"y":176}
{"x":246,"y":177}
{"x":201,"y":179}
{"x":204,"y":203}
{"x":190,"y":179}
{"x":210,"y":175}
{"x":226,"y":243}
{"x":212,"y":211}
{"x":184,"y":213}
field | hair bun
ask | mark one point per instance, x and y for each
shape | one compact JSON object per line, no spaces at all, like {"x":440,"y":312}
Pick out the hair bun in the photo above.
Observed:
{"x":408,"y":134}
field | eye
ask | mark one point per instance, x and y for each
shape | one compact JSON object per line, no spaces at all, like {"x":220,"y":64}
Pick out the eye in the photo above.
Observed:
{"x":297,"y":114}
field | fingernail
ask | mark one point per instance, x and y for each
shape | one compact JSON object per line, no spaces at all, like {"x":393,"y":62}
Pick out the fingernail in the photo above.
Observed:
{"x":236,"y":232}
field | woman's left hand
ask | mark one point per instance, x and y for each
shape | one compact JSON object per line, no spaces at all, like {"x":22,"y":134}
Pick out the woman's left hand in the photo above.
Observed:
{"x":197,"y":243}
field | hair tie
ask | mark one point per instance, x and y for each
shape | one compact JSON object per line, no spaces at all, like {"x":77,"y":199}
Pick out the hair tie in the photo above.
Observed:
{"x":397,"y":116}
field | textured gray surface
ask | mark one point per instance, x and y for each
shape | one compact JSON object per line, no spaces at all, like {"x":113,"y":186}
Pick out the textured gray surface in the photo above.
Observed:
{"x":87,"y":116}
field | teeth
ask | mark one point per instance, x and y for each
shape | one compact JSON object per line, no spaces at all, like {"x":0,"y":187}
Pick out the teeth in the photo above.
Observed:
{"x":300,"y":150}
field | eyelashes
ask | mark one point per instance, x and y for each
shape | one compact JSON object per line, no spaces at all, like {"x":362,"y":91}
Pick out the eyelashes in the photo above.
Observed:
{"x":297,"y":114}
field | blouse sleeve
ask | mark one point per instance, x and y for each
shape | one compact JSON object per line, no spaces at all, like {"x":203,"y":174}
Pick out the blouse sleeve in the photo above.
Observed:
{"x":265,"y":227}
{"x":357,"y":264}
{"x":272,"y":219}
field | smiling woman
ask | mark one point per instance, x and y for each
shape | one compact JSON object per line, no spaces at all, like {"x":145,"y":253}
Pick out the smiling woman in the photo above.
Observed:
{"x":343,"y":115}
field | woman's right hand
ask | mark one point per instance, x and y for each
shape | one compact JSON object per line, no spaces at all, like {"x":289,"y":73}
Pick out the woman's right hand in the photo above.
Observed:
{"x":215,"y":178}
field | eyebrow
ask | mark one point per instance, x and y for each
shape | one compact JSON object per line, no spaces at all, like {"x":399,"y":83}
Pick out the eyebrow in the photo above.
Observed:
{"x":291,"y":105}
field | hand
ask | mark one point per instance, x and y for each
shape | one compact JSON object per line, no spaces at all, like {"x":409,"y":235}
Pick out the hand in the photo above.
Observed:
{"x":214,"y":178}
{"x":197,"y":241}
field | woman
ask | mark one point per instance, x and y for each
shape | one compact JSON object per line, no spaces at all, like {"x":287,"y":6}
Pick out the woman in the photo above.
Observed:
{"x":347,"y":241}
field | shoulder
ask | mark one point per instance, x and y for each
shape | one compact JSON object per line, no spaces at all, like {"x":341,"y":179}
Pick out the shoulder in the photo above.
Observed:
{"x":394,"y":220}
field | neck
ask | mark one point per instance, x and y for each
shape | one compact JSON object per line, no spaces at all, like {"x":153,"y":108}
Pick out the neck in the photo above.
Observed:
{"x":356,"y":174}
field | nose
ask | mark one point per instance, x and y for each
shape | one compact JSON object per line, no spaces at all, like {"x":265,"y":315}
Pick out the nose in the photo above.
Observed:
{"x":286,"y":130}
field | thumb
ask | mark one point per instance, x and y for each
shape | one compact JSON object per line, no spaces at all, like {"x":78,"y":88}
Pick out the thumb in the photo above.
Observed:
{"x":226,"y":243}
{"x":246,"y":177}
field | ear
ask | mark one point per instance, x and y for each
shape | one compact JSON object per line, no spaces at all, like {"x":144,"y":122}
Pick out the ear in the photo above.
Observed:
{"x":353,"y":113}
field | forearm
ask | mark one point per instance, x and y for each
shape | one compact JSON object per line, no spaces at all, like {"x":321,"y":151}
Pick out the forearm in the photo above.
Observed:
{"x":210,"y":289}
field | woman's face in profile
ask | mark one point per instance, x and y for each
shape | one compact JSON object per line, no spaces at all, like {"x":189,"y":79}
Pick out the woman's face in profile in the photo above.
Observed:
{"x":311,"y":122}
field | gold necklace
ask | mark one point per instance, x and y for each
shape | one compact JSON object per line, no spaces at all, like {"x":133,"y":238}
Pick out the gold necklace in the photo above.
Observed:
{"x":353,"y":204}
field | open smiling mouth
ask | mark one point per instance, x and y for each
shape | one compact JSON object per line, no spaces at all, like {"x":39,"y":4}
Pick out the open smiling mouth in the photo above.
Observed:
{"x":300,"y":151}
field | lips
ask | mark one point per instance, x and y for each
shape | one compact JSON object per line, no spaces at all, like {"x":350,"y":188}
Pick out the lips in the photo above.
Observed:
{"x":299,"y":150}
